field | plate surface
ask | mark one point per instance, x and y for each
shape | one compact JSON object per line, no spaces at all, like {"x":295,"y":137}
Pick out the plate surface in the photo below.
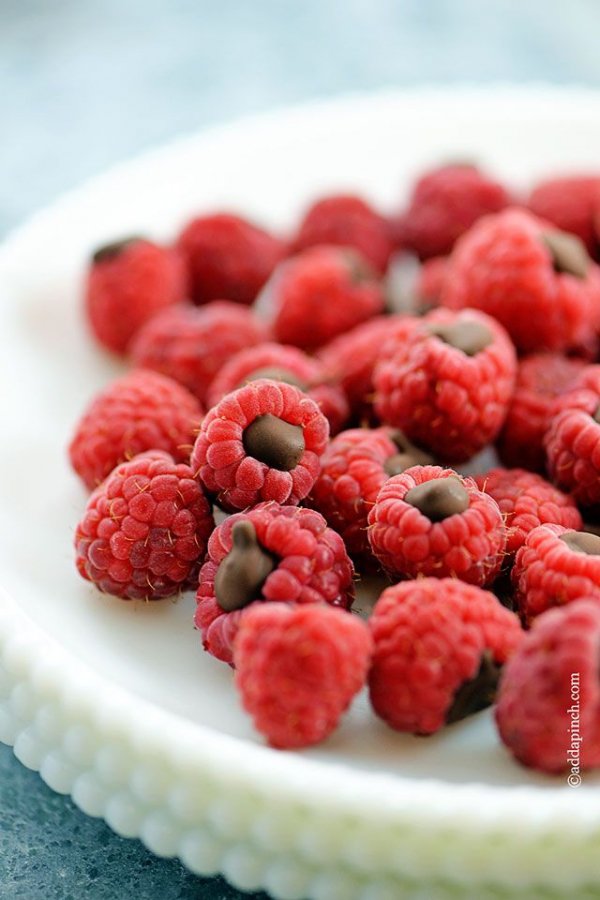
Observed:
{"x":116,"y":703}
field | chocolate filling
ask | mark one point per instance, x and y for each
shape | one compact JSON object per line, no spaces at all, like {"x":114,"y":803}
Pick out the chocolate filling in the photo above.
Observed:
{"x":241,"y":575}
{"x":275,"y":442}
{"x":439,"y":498}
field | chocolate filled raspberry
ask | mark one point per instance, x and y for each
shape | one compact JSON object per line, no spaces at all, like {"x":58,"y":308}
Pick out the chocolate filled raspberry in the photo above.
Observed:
{"x":273,"y":553}
{"x":261,"y":442}
{"x":419,"y":525}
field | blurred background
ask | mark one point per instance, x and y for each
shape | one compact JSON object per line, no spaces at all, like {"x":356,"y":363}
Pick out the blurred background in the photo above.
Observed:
{"x":86,"y":83}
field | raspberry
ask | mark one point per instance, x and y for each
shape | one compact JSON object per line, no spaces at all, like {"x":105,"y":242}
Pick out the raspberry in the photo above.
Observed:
{"x":538,"y":282}
{"x":298,"y":668}
{"x":140,"y":411}
{"x":261,"y":442}
{"x":448,"y":385}
{"x":144,"y":530}
{"x":444,"y":204}
{"x":345,"y":220}
{"x":527,"y":500}
{"x":571,"y":204}
{"x":354,"y":467}
{"x":548,"y":711}
{"x":271,"y":552}
{"x":321,"y":293}
{"x":351,"y":357}
{"x":573,"y":438}
{"x":555,"y":566}
{"x":430,"y":282}
{"x":191,"y":344}
{"x":438,"y":649}
{"x":228,"y":258}
{"x":281,"y":363}
{"x":430,"y":521}
{"x":541,"y":378}
{"x":129,"y":282}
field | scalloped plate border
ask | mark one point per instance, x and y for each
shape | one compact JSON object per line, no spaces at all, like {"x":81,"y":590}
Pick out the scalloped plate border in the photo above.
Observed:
{"x":295,"y":827}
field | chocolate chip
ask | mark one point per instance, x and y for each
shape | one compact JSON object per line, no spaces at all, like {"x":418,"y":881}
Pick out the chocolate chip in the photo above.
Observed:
{"x":568,"y":253}
{"x":408,"y":455}
{"x":477,"y":693}
{"x":467,"y":335}
{"x":241,"y":575}
{"x":111,"y":251}
{"x":582,"y":542}
{"x":275,"y":442}
{"x":359,"y":269}
{"x":274,"y":374}
{"x":439,"y":498}
{"x":596,"y":416}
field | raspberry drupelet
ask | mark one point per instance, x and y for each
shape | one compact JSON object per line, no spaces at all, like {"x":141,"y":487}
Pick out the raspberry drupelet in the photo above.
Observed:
{"x":573,"y":438}
{"x":431,"y":521}
{"x":444,"y":204}
{"x":448,"y":384}
{"x":536,"y":708}
{"x":537,"y":281}
{"x":270,"y":552}
{"x":144,"y":530}
{"x":282,"y":363}
{"x":190,"y":344}
{"x":354,"y":467}
{"x":351,"y":358}
{"x":554,"y":567}
{"x":298,"y":668}
{"x":347,"y":221}
{"x":541,"y":377}
{"x":140,"y":411}
{"x":261,"y":442}
{"x":128,"y":282}
{"x":320,"y":293}
{"x":527,"y":500}
{"x":228,"y":258}
{"x":438,"y":651}
{"x":571,"y":203}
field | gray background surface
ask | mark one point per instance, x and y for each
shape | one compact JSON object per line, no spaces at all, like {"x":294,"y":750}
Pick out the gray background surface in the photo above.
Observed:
{"x":85,"y":83}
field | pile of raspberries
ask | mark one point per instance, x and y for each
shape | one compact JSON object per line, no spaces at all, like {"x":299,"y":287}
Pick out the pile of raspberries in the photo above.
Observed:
{"x":287,"y":426}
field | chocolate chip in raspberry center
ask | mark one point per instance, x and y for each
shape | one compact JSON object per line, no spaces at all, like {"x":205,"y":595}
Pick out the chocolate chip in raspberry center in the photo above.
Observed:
{"x":275,"y":442}
{"x":467,"y":335}
{"x":596,"y":415}
{"x":114,"y":249}
{"x":568,"y":253}
{"x":408,"y":455}
{"x":242,"y":573}
{"x":439,"y":498}
{"x":273,"y":373}
{"x":477,"y":693}
{"x":582,"y":542}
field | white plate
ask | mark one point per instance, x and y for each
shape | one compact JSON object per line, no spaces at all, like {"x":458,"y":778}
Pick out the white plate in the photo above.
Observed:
{"x":116,"y":703}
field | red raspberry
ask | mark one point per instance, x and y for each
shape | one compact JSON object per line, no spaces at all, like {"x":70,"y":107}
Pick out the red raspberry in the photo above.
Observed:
{"x":261,"y":442}
{"x":129,"y":282}
{"x":354,"y":467}
{"x":448,"y":385}
{"x":570,"y":203}
{"x":444,"y":204}
{"x":431,"y":521}
{"x":321,"y":293}
{"x":191,"y":344}
{"x":430,"y":282}
{"x":555,"y":566}
{"x":438,"y":649}
{"x":271,"y":552}
{"x":345,"y":220}
{"x":573,"y":438}
{"x":351,"y":357}
{"x":281,"y":363}
{"x":228,"y":257}
{"x":527,"y":500}
{"x":541,"y":378}
{"x":538,"y":282}
{"x":548,"y":711}
{"x":298,"y":668}
{"x":140,"y":411}
{"x":144,"y":530}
